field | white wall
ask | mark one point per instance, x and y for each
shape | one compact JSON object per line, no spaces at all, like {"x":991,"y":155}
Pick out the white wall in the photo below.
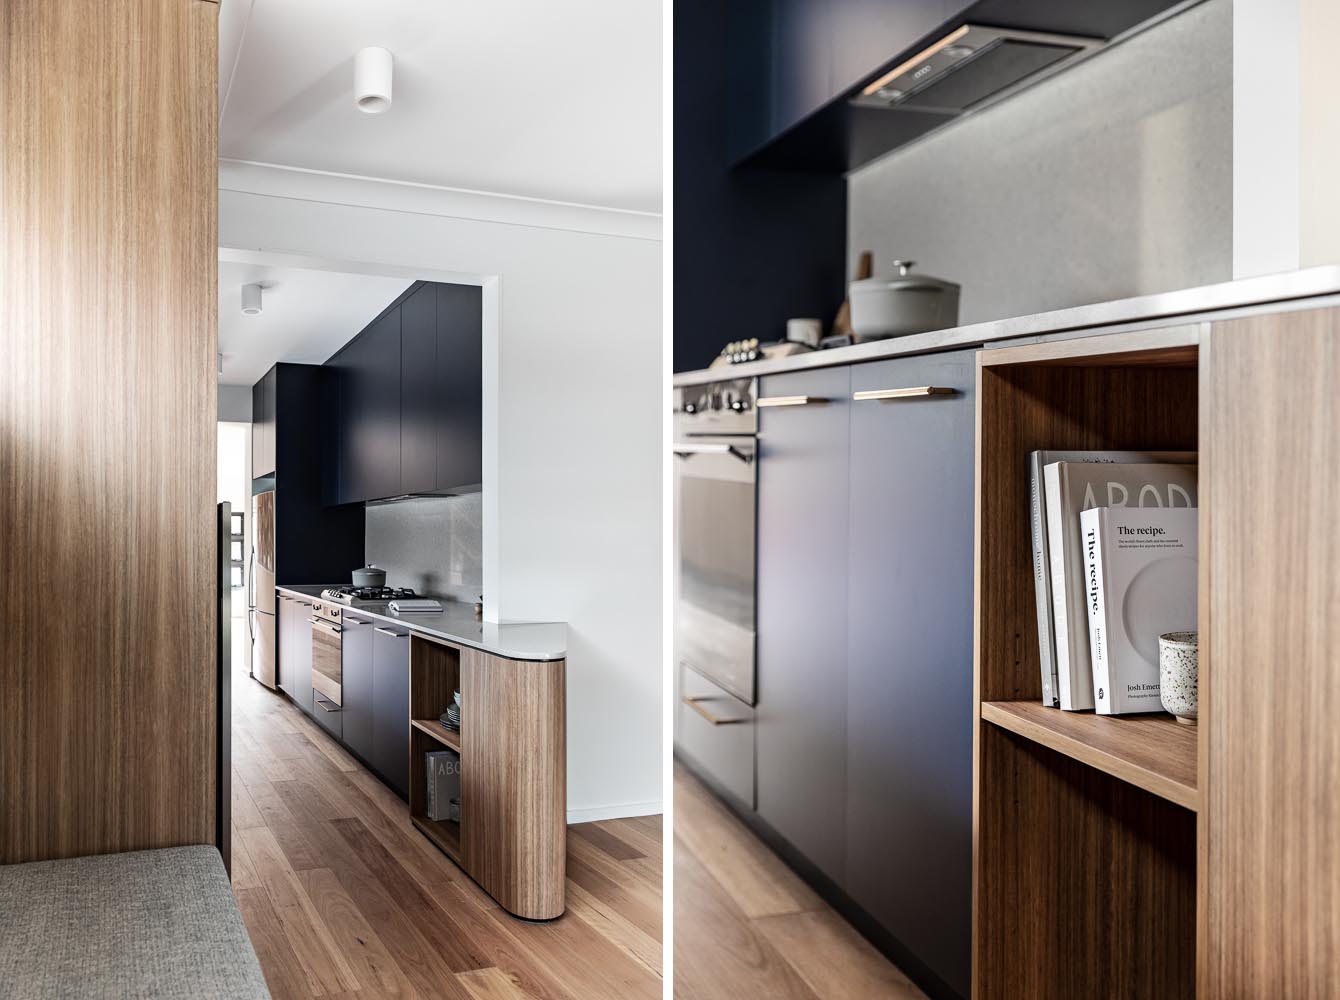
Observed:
{"x":235,"y":403}
{"x":573,"y":426}
{"x":1286,"y":135}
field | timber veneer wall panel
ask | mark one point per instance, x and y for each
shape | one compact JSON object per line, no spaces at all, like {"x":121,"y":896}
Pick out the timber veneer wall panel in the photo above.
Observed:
{"x":1270,"y":635}
{"x":108,"y":251}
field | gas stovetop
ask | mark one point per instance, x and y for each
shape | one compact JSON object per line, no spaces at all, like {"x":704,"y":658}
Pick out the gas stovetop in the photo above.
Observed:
{"x":354,"y":596}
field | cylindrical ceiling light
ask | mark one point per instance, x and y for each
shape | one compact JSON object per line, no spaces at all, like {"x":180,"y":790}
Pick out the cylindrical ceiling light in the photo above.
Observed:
{"x":372,"y":79}
{"x":251,"y":300}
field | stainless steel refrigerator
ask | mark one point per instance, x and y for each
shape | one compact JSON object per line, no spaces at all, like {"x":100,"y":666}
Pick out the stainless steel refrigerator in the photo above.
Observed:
{"x":261,"y":598}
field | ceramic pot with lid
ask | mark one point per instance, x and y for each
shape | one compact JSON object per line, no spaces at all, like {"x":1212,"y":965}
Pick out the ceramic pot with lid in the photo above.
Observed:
{"x":902,"y":304}
{"x":369,"y":576}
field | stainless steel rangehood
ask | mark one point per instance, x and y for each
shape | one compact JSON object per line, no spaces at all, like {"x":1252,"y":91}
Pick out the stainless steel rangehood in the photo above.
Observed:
{"x":829,"y":87}
{"x":968,"y":66}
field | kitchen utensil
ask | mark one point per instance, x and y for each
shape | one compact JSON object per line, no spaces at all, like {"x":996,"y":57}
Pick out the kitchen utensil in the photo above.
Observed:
{"x":902,"y":304}
{"x":369,"y":576}
{"x":865,"y":267}
{"x":415,"y":605}
{"x":804,"y":331}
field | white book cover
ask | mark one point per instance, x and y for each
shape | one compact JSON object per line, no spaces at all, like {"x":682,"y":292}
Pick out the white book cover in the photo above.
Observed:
{"x":1140,"y":567}
{"x":1042,"y":577}
{"x":1070,"y":487}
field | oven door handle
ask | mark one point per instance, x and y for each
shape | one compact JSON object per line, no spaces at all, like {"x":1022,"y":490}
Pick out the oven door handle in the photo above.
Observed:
{"x":705,"y":448}
{"x":332,"y":629}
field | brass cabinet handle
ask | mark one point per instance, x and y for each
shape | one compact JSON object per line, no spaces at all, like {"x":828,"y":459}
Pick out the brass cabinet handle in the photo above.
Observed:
{"x":387,"y":631}
{"x":695,"y":703}
{"x":789,"y":400}
{"x":916,"y":392}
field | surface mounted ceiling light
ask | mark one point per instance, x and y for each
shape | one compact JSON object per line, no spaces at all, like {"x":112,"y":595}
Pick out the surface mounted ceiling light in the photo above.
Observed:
{"x":251,"y":300}
{"x":372,"y":79}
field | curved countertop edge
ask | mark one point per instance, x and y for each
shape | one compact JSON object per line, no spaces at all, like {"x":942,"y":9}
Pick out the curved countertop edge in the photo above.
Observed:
{"x":1246,"y":292}
{"x":534,"y":641}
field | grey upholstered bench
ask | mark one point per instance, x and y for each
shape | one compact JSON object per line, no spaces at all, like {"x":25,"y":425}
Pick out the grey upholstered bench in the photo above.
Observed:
{"x":147,"y":924}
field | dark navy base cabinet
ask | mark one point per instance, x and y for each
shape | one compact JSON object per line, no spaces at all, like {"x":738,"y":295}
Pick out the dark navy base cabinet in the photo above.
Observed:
{"x":802,"y":614}
{"x":390,"y":707}
{"x":909,"y":658}
{"x":863,"y":727}
{"x":356,"y":685}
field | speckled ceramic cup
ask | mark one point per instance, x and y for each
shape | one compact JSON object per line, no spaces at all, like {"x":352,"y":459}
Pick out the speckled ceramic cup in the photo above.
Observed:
{"x":1177,"y":675}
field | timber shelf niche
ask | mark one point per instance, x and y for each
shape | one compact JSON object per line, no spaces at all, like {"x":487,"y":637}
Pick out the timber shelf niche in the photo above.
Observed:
{"x":1084,"y":863}
{"x":512,"y":835}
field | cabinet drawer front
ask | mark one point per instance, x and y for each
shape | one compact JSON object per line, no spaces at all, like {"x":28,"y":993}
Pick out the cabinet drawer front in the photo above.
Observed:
{"x":714,"y":730}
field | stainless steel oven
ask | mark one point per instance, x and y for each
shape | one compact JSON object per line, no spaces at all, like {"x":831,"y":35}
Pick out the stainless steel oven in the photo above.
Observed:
{"x":327,"y":664}
{"x":715,"y":501}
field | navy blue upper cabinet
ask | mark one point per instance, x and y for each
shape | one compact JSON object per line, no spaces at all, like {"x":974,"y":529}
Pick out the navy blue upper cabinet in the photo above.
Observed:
{"x":410,"y":398}
{"x":802,"y":63}
{"x":369,"y":424}
{"x":458,"y":387}
{"x":419,"y":392}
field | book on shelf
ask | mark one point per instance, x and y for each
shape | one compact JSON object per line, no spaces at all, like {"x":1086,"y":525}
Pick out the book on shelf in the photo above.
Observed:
{"x":444,"y":783}
{"x":1140,"y":570}
{"x":1071,"y":487}
{"x":1042,"y":580}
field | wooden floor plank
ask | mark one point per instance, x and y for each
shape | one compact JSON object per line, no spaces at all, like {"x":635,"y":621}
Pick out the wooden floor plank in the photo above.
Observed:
{"x":283,"y":971}
{"x":746,"y":926}
{"x":634,"y":940}
{"x":611,"y":844}
{"x":833,"y":959}
{"x":491,"y":984}
{"x":373,"y":966}
{"x":719,"y":953}
{"x":757,"y":880}
{"x":352,"y":900}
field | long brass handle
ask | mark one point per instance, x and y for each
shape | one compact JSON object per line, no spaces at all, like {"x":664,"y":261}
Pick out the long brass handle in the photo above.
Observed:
{"x":387,"y":631}
{"x":789,"y":400}
{"x":915,"y":392}
{"x":695,"y":703}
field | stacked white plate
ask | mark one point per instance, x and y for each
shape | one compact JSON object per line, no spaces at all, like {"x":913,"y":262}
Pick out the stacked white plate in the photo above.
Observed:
{"x":451,"y":718}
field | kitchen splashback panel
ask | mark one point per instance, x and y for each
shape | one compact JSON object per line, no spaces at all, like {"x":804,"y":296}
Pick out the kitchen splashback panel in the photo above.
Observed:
{"x":1112,"y":180}
{"x":432,"y":544}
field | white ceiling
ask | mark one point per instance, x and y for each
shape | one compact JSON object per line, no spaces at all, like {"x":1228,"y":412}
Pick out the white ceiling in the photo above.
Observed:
{"x":534,"y":98}
{"x":306,"y":315}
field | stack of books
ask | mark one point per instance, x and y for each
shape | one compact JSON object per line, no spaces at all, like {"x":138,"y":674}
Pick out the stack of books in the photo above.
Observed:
{"x":1115,"y":563}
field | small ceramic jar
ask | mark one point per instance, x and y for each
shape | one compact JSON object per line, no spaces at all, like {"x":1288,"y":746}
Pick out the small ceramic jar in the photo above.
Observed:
{"x":1178,"y":674}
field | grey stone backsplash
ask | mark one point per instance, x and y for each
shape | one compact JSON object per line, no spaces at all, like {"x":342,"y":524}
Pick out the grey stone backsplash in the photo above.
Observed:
{"x":433,"y":544}
{"x":1113,"y":179}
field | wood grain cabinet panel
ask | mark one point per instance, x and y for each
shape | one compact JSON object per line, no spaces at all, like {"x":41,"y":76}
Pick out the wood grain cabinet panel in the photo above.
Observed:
{"x":514,"y":781}
{"x":108,"y":405}
{"x":1269,"y":683}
